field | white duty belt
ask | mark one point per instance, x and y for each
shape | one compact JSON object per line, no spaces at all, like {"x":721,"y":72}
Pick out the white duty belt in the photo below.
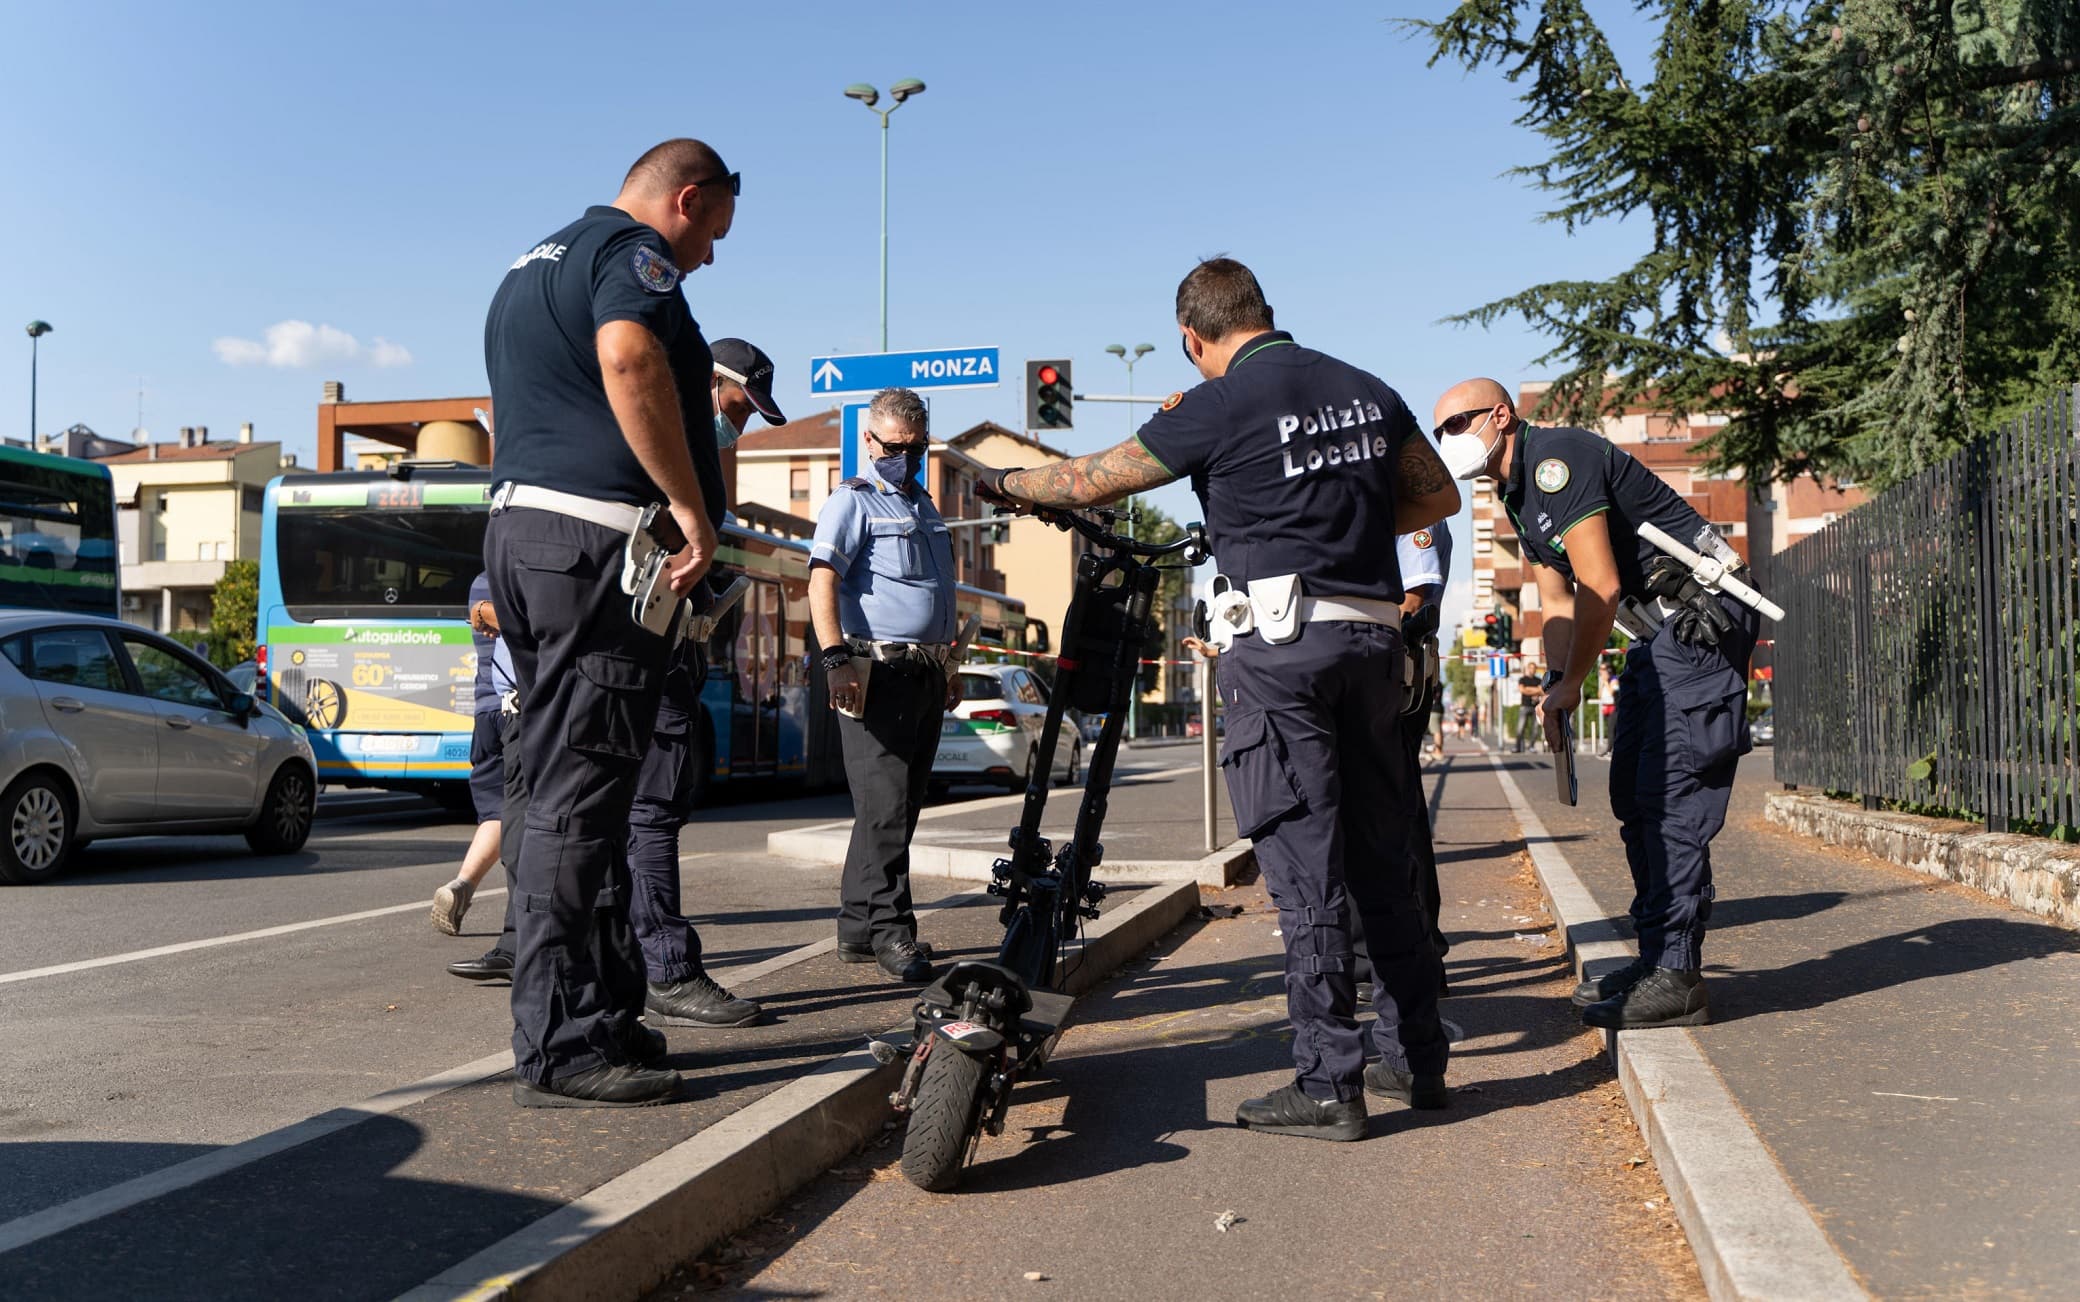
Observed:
{"x":1276,"y":609}
{"x":618,"y":516}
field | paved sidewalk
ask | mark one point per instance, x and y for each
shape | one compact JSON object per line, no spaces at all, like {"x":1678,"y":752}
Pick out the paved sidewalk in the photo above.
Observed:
{"x":1906,"y":1048}
{"x":1112,"y":1172}
{"x":1157,"y":811}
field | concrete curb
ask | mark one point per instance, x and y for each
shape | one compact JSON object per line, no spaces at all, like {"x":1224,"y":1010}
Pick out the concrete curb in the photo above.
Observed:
{"x":1753,"y":1236}
{"x":622,"y":1239}
{"x":827,"y":843}
{"x":2034,"y":874}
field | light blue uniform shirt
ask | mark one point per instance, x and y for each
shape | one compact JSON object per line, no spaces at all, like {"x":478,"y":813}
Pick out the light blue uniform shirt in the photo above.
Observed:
{"x":894,"y":560}
{"x":1426,"y":558}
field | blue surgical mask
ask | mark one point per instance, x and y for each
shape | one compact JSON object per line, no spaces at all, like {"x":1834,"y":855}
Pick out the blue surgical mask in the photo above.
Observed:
{"x":726,"y":433}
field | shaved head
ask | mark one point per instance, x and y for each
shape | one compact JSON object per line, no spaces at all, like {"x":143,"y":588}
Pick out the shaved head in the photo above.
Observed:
{"x":1471,"y":395}
{"x":667,"y":168}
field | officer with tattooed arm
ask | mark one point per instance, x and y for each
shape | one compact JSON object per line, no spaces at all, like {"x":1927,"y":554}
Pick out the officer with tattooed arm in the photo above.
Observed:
{"x":1579,"y":504}
{"x":1307,"y":468}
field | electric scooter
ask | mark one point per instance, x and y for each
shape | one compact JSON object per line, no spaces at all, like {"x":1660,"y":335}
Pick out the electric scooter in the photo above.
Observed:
{"x":981,"y":1027}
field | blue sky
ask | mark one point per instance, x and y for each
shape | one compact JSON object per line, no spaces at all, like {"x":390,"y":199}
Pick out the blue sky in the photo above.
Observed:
{"x":182,"y":177}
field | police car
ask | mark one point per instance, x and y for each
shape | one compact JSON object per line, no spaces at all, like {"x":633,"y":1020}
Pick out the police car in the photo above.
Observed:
{"x":993,"y":735}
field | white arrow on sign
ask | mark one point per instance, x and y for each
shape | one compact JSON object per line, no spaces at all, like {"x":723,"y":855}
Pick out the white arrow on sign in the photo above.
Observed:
{"x":827,"y":374}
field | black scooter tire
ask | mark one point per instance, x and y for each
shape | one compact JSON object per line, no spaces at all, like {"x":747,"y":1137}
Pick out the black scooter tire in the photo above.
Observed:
{"x":944,"y":1115}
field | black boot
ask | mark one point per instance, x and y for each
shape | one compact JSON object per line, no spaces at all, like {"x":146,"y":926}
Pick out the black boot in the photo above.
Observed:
{"x":494,"y":966}
{"x":1422,"y":1092}
{"x":1615,"y":982}
{"x":609,"y":1085}
{"x":902,"y":958}
{"x":1289,"y":1111}
{"x":1666,"y":996}
{"x":645,"y":1045}
{"x":699,"y":1001}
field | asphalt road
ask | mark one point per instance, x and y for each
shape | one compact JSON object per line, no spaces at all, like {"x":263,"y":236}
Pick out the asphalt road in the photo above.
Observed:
{"x":138,"y":1060}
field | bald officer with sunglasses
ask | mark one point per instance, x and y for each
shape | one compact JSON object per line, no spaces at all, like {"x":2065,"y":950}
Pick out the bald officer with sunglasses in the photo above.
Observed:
{"x":1307,"y":468}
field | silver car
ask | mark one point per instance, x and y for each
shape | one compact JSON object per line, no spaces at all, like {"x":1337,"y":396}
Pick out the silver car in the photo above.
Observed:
{"x":107,"y":729}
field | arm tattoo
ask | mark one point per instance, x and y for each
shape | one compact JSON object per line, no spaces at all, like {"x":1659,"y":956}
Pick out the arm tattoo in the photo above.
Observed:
{"x":1092,"y":480}
{"x":1421,"y":472}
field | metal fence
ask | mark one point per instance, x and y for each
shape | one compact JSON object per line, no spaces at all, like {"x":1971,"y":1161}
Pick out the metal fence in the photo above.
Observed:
{"x":1929,"y":651}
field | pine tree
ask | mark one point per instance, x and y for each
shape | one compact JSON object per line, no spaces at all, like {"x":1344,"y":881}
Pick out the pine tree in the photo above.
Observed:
{"x":1865,"y":217}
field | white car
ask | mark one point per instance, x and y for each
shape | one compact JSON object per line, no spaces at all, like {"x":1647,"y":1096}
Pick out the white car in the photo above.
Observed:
{"x":993,"y":735}
{"x":110,"y":730}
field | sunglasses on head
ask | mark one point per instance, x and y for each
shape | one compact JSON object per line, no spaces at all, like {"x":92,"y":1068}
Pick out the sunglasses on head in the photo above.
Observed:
{"x":1458,"y":424}
{"x":735,"y":180}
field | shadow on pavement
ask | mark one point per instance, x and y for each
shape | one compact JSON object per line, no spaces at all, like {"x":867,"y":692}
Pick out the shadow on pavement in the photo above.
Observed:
{"x":216,"y":858}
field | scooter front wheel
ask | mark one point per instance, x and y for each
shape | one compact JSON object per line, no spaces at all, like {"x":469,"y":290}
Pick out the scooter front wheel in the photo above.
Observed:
{"x":944,"y":1116}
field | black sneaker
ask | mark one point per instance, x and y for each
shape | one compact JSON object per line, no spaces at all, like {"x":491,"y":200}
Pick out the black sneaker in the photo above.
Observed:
{"x":848,"y":952}
{"x":610,"y":1085}
{"x":699,"y":1001}
{"x":494,"y":966}
{"x":646,"y":1046}
{"x":1424,"y":1092}
{"x":1614,"y":982}
{"x":1666,"y":996}
{"x":1288,"y":1111}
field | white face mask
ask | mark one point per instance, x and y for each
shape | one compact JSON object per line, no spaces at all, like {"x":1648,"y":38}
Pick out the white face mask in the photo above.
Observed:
{"x":1466,"y":455}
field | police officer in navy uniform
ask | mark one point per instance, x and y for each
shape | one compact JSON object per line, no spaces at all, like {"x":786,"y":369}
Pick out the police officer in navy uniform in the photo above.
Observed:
{"x":881,"y":580}
{"x":1307,"y":468}
{"x":601,"y":383}
{"x":1577,"y":503}
{"x":680,"y":990}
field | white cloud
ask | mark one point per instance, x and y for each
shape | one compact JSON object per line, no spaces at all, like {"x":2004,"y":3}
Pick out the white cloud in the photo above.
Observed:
{"x":295,"y":345}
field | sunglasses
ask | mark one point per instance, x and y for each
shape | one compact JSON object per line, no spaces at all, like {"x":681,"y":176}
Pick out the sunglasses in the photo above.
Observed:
{"x":899,"y":449}
{"x":1459,"y":423}
{"x":735,"y":179}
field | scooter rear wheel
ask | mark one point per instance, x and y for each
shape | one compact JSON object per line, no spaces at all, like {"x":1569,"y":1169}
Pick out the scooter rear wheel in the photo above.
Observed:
{"x":944,"y":1116}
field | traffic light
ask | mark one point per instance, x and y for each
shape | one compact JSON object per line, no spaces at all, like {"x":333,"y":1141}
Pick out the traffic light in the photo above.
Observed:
{"x":1493,"y":628}
{"x":1049,"y":395}
{"x":1509,"y":631}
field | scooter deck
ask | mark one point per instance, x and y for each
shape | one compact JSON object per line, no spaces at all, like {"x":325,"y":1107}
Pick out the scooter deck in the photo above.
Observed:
{"x":1048,"y":1013}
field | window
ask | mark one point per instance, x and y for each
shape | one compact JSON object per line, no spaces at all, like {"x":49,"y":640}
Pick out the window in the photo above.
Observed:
{"x":75,"y":657}
{"x":158,"y":551}
{"x":978,"y":686}
{"x":16,"y":649}
{"x":249,"y":499}
{"x":798,"y":484}
{"x":159,"y":503}
{"x":832,"y":486}
{"x":335,"y":563}
{"x":166,"y":677}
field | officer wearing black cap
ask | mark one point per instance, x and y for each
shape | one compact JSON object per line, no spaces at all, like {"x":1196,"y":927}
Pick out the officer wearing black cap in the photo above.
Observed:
{"x":1578,"y":503}
{"x":602,"y":383}
{"x":1307,"y":468}
{"x":680,"y":990}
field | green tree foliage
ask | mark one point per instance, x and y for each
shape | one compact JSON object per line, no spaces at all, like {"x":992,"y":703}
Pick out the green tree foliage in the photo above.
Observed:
{"x":1863,"y":214}
{"x":234,"y":612}
{"x":1458,"y":675}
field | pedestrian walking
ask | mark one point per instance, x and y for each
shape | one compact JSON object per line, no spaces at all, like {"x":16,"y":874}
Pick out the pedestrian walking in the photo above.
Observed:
{"x":881,"y":581}
{"x":1578,"y":503}
{"x":1530,"y":687}
{"x":1307,"y":469}
{"x":602,"y":384}
{"x":494,"y":687}
{"x":679,"y":989}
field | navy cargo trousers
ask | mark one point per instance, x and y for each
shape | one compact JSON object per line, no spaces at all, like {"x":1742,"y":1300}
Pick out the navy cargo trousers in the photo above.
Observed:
{"x":1681,"y":728}
{"x":589,"y":679}
{"x":664,"y":787}
{"x":1319,"y":777}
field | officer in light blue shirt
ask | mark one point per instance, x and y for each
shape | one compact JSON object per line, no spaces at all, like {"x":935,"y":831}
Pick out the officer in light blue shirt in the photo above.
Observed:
{"x":881,"y":579}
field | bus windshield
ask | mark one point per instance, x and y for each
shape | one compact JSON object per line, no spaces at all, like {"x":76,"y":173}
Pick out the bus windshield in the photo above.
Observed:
{"x":362,"y":562}
{"x":57,"y":534}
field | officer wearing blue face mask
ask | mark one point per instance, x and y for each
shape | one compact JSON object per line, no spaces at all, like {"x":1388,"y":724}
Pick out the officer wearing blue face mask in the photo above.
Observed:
{"x":881,"y":582}
{"x":680,"y":991}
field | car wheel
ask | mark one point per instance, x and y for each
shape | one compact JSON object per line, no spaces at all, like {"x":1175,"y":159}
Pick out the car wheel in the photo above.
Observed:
{"x":36,"y":824}
{"x":285,"y":820}
{"x":1024,"y":781}
{"x":1075,"y":765}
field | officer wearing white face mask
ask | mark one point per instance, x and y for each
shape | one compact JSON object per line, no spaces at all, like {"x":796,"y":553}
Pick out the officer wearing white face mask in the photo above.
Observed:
{"x":1579,"y":504}
{"x":678,"y":988}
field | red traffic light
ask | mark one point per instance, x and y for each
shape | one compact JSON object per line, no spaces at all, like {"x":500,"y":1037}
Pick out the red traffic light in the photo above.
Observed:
{"x":1049,"y":375}
{"x":1493,"y":620}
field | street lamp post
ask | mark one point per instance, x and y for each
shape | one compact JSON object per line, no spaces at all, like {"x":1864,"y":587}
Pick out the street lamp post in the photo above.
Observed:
{"x":868,"y":96}
{"x":37,"y":330}
{"x":1140,"y":351}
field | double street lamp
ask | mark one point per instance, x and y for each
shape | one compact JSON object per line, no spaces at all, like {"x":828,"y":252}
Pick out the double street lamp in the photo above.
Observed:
{"x":1120,"y":351}
{"x":37,"y":330}
{"x":868,"y":96}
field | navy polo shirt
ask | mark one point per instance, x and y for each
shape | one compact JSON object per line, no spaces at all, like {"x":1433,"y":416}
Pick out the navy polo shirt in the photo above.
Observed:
{"x":1560,"y":477}
{"x":554,"y":426}
{"x":1292,"y":454}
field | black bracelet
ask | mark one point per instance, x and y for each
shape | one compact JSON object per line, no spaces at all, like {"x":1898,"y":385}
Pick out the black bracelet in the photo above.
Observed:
{"x":835,"y":657}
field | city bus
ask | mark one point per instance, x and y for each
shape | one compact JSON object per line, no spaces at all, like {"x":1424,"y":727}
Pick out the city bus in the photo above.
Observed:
{"x":364,"y":635}
{"x":57,"y":534}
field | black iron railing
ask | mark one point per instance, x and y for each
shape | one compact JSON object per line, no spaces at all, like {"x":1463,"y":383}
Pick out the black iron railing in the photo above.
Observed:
{"x":1929,"y":654}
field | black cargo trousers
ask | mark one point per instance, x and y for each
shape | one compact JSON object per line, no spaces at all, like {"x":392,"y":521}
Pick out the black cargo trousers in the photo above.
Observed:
{"x":1319,"y":779}
{"x":589,"y":679}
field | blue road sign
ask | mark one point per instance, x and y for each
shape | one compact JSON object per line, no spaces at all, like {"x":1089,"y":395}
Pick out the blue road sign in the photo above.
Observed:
{"x":1498,"y":666}
{"x":850,"y":443}
{"x":930,"y":368}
